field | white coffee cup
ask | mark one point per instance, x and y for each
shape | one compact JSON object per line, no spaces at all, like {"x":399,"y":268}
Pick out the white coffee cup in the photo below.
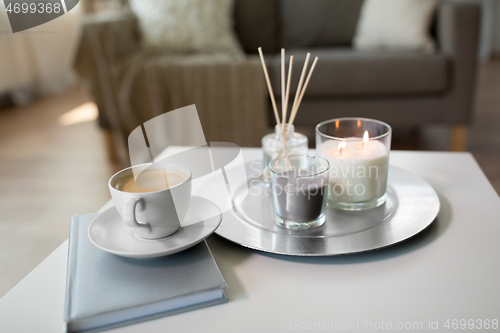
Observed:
{"x":152,"y":214}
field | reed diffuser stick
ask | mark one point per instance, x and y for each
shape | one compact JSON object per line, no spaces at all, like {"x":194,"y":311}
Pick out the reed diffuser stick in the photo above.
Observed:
{"x":288,"y":83}
{"x":283,"y":88}
{"x":303,"y":90}
{"x":301,"y":81}
{"x":284,"y":132}
{"x":269,"y":87}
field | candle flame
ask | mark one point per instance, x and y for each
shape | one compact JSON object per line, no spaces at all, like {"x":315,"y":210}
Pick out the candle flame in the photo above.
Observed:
{"x":359,"y":123}
{"x":366,"y":137}
{"x":341,"y":147}
{"x":336,"y":124}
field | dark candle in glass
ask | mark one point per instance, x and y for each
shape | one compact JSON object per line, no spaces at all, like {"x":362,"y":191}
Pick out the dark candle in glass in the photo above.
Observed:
{"x":299,"y":188}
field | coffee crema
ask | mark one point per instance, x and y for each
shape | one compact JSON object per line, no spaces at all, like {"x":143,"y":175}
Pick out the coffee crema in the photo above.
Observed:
{"x":150,"y":181}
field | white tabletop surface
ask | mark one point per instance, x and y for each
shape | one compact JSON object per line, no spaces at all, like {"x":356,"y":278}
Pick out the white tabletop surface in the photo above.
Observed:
{"x":450,"y":271}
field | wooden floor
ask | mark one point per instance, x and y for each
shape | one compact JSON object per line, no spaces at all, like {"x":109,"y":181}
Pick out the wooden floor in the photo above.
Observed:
{"x":50,"y":172}
{"x":484,"y":141}
{"x":484,"y":133}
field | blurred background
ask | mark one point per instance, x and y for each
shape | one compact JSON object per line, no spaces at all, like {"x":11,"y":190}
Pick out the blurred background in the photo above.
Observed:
{"x":72,"y":89}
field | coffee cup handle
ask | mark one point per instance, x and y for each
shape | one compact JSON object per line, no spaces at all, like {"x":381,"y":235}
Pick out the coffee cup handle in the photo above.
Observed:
{"x":130,"y":218}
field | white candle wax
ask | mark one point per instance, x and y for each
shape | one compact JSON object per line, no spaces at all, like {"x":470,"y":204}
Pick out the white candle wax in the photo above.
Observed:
{"x":358,"y":173}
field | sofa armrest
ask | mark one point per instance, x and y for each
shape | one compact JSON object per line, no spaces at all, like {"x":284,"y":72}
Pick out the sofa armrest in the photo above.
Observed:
{"x":105,"y":39}
{"x":458,"y":35}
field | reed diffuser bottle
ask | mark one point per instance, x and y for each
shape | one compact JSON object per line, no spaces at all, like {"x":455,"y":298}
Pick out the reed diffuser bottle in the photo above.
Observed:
{"x":285,"y":142}
{"x":272,"y":144}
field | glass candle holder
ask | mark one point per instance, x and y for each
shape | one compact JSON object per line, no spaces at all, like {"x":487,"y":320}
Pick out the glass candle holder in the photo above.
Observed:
{"x":299,"y":189}
{"x":272,"y":146}
{"x":358,"y":152}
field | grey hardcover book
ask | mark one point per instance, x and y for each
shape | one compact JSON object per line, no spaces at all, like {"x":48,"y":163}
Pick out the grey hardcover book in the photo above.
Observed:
{"x":105,"y":291}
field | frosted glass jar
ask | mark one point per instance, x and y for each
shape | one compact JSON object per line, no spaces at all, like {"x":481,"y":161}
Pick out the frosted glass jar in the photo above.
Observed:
{"x":272,"y":146}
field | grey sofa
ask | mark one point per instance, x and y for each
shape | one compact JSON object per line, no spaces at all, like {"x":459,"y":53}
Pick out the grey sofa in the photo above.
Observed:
{"x":401,"y":88}
{"x":407,"y":89}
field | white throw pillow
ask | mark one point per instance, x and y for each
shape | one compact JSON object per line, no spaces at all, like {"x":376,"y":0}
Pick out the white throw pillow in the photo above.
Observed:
{"x":395,"y":25}
{"x":187,"y":25}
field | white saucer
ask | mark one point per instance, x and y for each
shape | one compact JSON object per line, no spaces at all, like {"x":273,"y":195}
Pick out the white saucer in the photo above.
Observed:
{"x":109,"y":233}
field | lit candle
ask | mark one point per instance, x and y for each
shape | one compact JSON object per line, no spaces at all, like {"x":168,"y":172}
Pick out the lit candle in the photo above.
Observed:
{"x":358,"y":168}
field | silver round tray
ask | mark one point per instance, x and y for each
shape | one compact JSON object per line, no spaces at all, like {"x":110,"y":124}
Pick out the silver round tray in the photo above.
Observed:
{"x":411,"y":206}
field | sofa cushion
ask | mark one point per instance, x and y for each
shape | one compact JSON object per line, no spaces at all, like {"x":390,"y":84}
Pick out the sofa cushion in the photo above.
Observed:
{"x":346,"y":72}
{"x":316,"y":23}
{"x":256,"y":24}
{"x":188,"y":25}
{"x":396,"y":25}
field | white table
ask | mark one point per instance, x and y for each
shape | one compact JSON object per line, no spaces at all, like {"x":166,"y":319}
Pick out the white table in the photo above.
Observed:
{"x":450,"y":271}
